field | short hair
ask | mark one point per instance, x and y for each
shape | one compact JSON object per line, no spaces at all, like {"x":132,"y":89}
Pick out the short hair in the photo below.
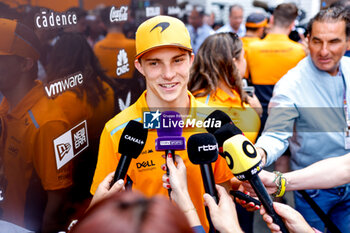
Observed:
{"x":200,"y":10}
{"x":235,"y":6}
{"x":131,"y":212}
{"x":285,"y":14}
{"x":332,"y":14}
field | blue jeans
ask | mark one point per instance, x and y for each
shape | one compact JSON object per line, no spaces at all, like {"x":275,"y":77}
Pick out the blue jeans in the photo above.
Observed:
{"x":334,"y":202}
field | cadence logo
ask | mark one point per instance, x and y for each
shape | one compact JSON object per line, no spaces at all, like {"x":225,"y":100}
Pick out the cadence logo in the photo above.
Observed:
{"x":70,"y":144}
{"x":49,"y":19}
{"x":122,"y":62}
{"x":118,"y":15}
{"x":59,"y":86}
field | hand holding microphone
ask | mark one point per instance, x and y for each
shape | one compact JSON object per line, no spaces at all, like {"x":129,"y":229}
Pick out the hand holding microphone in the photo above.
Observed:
{"x":243,"y":160}
{"x":169,"y":135}
{"x":202,"y":149}
{"x":131,"y":144}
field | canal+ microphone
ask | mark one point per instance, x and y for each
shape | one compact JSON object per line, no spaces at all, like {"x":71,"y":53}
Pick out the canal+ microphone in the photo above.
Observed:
{"x":131,"y":144}
{"x":244,"y":162}
{"x":202,"y":149}
{"x":169,"y":135}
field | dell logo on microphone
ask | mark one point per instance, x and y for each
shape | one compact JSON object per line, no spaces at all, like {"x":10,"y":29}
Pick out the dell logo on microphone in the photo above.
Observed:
{"x":208,"y":147}
{"x":130,"y":138}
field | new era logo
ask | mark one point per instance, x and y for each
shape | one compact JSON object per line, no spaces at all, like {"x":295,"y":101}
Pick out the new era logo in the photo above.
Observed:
{"x":70,"y":144}
{"x":122,"y":62}
{"x":63,"y":149}
{"x":151,"y":120}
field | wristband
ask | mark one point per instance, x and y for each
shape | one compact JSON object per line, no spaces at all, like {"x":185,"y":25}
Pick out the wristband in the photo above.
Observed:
{"x":281,"y":183}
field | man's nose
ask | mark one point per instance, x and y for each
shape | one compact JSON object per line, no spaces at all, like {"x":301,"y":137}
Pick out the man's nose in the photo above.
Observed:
{"x":324,"y":50}
{"x":168,"y":72}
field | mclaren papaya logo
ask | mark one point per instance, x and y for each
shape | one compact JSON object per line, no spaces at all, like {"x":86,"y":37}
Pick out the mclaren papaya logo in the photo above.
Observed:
{"x":163,"y":25}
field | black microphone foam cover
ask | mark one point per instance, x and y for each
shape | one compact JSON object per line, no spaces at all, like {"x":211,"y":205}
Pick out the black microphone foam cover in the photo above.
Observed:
{"x":225,"y":132}
{"x":202,"y":148}
{"x":217,"y":115}
{"x":133,"y":139}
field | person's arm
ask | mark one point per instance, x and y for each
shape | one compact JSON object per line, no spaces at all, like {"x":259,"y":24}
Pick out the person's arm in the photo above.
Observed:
{"x":223,"y":215}
{"x":54,"y":218}
{"x":280,"y":122}
{"x":177,"y":181}
{"x":293,"y":220}
{"x":327,"y":173}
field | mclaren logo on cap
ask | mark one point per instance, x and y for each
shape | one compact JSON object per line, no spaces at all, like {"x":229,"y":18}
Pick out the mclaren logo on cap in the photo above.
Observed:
{"x":163,"y":25}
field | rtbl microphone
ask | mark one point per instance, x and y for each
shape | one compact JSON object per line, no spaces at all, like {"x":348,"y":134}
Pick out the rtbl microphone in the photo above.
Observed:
{"x":203,"y":149}
{"x":244,"y":162}
{"x":169,"y":135}
{"x":131,"y":144}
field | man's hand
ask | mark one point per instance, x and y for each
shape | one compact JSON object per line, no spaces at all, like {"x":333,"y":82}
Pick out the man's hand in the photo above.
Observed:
{"x":267,"y":179}
{"x":262,"y":154}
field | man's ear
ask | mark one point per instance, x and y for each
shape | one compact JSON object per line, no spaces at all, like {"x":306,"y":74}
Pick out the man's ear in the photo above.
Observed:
{"x":139,"y":66}
{"x":348,"y":44}
{"x":191,"y":58}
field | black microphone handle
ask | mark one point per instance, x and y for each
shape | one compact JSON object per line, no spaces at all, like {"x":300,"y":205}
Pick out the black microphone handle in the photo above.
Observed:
{"x":172,"y":152}
{"x":208,"y":181}
{"x":209,"y":187}
{"x":122,"y":168}
{"x":267,"y":202}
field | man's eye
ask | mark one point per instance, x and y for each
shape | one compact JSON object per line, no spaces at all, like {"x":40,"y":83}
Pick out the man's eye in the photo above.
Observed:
{"x":179,"y":60}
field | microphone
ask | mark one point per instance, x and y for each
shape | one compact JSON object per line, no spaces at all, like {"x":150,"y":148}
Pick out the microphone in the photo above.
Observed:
{"x":169,"y":135}
{"x":241,"y":157}
{"x":131,"y":144}
{"x":244,"y":162}
{"x":202,"y":149}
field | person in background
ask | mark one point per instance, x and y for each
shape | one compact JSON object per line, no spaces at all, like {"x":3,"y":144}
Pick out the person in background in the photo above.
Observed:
{"x":81,"y":26}
{"x":235,"y":21}
{"x":34,"y":192}
{"x":95,"y":27}
{"x":198,"y":30}
{"x":270,"y":58}
{"x":276,"y":48}
{"x":317,"y":86}
{"x":93,"y":101}
{"x":116,"y":54}
{"x":217,"y":81}
{"x":255,"y":25}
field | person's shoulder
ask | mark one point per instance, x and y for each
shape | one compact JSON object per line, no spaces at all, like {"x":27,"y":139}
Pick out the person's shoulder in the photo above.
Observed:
{"x":224,"y":28}
{"x":120,"y":120}
{"x":296,"y":75}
